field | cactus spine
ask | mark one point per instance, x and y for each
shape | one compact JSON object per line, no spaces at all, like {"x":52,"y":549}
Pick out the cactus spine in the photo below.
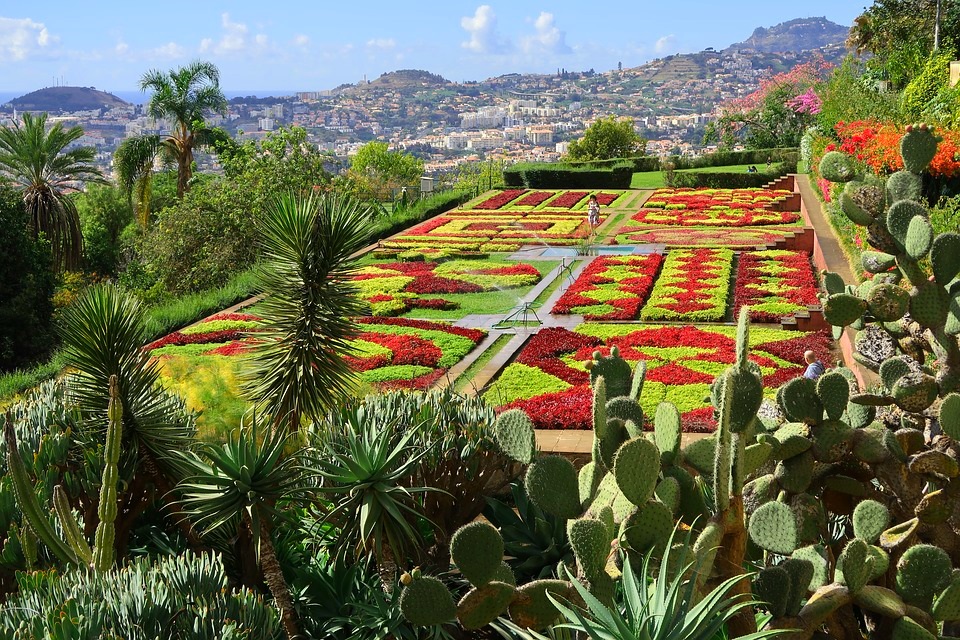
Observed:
{"x":107,"y":508}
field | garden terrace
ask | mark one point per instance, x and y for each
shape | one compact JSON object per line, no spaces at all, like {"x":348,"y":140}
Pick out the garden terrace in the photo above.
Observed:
{"x":541,"y":199}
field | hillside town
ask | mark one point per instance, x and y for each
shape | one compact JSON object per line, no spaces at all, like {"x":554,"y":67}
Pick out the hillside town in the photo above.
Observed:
{"x":510,"y":118}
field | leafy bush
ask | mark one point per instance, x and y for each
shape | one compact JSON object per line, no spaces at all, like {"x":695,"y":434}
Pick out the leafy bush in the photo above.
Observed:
{"x":391,"y":223}
{"x":566,"y":176}
{"x":104,"y":213}
{"x":738,"y":180}
{"x":26,"y":287}
{"x":925,"y":86}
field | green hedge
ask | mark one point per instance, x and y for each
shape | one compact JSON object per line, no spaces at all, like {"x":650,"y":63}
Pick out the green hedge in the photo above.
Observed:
{"x":532,"y":175}
{"x":738,"y":180}
{"x":749,"y":156}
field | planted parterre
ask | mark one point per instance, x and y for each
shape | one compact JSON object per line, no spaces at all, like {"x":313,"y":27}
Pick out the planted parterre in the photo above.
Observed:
{"x":519,"y":199}
{"x":714,"y":208}
{"x":774,"y":283}
{"x":549,"y":377}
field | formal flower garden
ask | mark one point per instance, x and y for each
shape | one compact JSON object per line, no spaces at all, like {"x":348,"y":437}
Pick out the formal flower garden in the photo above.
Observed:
{"x":548,"y":378}
{"x":774,"y":284}
{"x":715,"y":208}
{"x":734,"y":238}
{"x":514,"y":199}
{"x":611,"y":288}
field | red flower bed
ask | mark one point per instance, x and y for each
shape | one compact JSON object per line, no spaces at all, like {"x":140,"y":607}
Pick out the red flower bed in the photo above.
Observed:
{"x":634,"y":289}
{"x":179,"y":339}
{"x":433,"y":284}
{"x":502,"y":198}
{"x":475,"y":335}
{"x":606,"y":199}
{"x":568,"y":200}
{"x":534,"y":199}
{"x":877,"y":145}
{"x":570,"y":409}
{"x":543,"y":351}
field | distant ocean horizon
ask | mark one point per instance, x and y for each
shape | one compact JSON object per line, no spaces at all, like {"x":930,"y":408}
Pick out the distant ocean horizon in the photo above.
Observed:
{"x":138,"y":97}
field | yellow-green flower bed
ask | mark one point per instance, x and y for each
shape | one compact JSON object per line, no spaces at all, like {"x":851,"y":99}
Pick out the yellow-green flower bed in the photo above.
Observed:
{"x":693,"y":286}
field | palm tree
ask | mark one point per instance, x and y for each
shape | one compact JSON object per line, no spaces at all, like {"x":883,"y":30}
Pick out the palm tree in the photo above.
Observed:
{"x":37,"y":161}
{"x":298,"y":369}
{"x":184,"y":96}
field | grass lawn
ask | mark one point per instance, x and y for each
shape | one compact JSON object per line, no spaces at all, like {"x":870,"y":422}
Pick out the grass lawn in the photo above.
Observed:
{"x":654,"y":179}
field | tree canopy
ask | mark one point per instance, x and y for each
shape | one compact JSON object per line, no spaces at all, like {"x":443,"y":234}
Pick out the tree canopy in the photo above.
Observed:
{"x":376,"y":171}
{"x":608,"y":138}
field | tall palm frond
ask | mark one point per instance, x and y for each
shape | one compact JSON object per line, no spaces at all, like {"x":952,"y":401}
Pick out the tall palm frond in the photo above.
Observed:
{"x":298,"y":368}
{"x":37,"y":161}
{"x":133,"y":161}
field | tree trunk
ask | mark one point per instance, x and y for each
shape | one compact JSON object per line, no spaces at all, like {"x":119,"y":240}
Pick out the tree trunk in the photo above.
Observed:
{"x":730,"y":563}
{"x":273,"y":576}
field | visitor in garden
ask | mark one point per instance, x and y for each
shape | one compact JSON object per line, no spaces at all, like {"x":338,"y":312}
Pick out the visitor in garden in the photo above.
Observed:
{"x":815,"y":368}
{"x":593,"y":212}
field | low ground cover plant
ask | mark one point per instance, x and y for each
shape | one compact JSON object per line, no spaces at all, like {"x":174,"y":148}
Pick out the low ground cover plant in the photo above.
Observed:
{"x":714,"y":208}
{"x":774,"y":284}
{"x":692,"y":286}
{"x":549,"y":381}
{"x":611,"y":288}
{"x":740,"y":237}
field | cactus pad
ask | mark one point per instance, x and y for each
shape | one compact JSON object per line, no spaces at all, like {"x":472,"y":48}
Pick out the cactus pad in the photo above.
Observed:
{"x":801,"y":573}
{"x":772,"y":586}
{"x":515,"y":435}
{"x":934,"y":508}
{"x":800,"y":402}
{"x":532,"y":609}
{"x":552,"y":484}
{"x":915,"y":391}
{"x":893,"y":368}
{"x":877,"y":261}
{"x":588,"y":480}
{"x":852,"y":209}
{"x":624,"y":408}
{"x":426,"y":601}
{"x":699,"y":454}
{"x":755,"y":456}
{"x":933,"y":462}
{"x":837,"y":166}
{"x":918,"y":146}
{"x":831,"y":440}
{"x":906,"y":629}
{"x":899,"y":535}
{"x":505,"y":574}
{"x":758,"y":491}
{"x":833,"y":389}
{"x":950,"y":415}
{"x":946,"y":606}
{"x":477,"y":550}
{"x":810,"y":516}
{"x":773,"y":527}
{"x":919,"y":238}
{"x":856,"y":564}
{"x":795,"y":474}
{"x":590,"y":544}
{"x":816,"y":555}
{"x":842,"y":309}
{"x":899,"y":216}
{"x":888,"y":302}
{"x":904,"y":185}
{"x":793,"y":439}
{"x":945,"y":257}
{"x":636,"y":467}
{"x":881,"y":600}
{"x":929,"y":305}
{"x":870,"y":519}
{"x":668,"y":492}
{"x":832,"y":282}
{"x":747,"y":397}
{"x":615,"y":371}
{"x":923,"y":570}
{"x":666,"y":432}
{"x":483,"y":605}
{"x":648,"y":527}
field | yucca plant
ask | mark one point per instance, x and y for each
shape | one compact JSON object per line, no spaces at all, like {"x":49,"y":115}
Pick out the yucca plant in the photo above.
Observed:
{"x":298,"y":369}
{"x":660,"y":607}
{"x":242,"y":486}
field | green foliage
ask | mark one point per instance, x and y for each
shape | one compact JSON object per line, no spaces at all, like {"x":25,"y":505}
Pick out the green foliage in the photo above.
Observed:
{"x":178,"y":596}
{"x":477,"y":549}
{"x":104,"y":213}
{"x":607,"y":138}
{"x":534,"y":175}
{"x":376,"y":172}
{"x":26,"y":287}
{"x":848,"y":95}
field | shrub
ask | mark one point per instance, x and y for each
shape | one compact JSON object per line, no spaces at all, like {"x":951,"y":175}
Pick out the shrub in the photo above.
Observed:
{"x":104,"y":213}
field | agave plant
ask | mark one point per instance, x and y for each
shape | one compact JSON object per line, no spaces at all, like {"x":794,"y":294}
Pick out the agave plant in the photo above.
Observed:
{"x":242,"y":487}
{"x":365,"y":470}
{"x":298,"y":366}
{"x":661,"y":607}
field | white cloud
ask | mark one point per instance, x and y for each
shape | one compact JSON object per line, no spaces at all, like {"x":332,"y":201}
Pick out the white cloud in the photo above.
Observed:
{"x":482,"y":27}
{"x":21,"y":38}
{"x":548,"y":37}
{"x":665,"y":44}
{"x":234,"y":39}
{"x":169,"y":51}
{"x":384,"y":44}
{"x":301,"y":40}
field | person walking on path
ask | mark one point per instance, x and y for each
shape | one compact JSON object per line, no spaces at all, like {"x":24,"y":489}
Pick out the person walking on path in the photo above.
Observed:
{"x":815,"y":368}
{"x":593,"y":212}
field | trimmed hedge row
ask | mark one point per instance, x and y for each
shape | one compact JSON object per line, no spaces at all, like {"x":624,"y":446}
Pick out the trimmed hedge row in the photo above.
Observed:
{"x":390,"y":224}
{"x":567,"y":176}
{"x":738,"y":180}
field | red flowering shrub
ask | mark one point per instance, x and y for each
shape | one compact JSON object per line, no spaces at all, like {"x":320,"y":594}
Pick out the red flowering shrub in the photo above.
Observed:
{"x":502,"y":198}
{"x":568,"y":200}
{"x":533,"y":199}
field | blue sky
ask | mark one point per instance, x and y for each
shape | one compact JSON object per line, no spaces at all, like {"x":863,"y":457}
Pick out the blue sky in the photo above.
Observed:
{"x":301,"y":45}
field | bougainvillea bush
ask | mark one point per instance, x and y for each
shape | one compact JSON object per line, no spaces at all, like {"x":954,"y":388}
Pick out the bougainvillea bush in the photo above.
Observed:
{"x":713,"y":208}
{"x":398,"y":287}
{"x":549,"y":381}
{"x":611,"y":288}
{"x":692,"y":286}
{"x":492,"y":231}
{"x":774,"y":284}
{"x":694,"y":237}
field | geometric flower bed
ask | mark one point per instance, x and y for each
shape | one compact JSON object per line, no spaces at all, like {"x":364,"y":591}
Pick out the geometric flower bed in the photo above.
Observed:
{"x":774,"y":284}
{"x":693,"y":237}
{"x":611,"y":288}
{"x":713,"y":208}
{"x":395,"y":353}
{"x":397,"y":287}
{"x":512,"y":199}
{"x":491,"y":231}
{"x":692,"y":286}
{"x":549,"y":381}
